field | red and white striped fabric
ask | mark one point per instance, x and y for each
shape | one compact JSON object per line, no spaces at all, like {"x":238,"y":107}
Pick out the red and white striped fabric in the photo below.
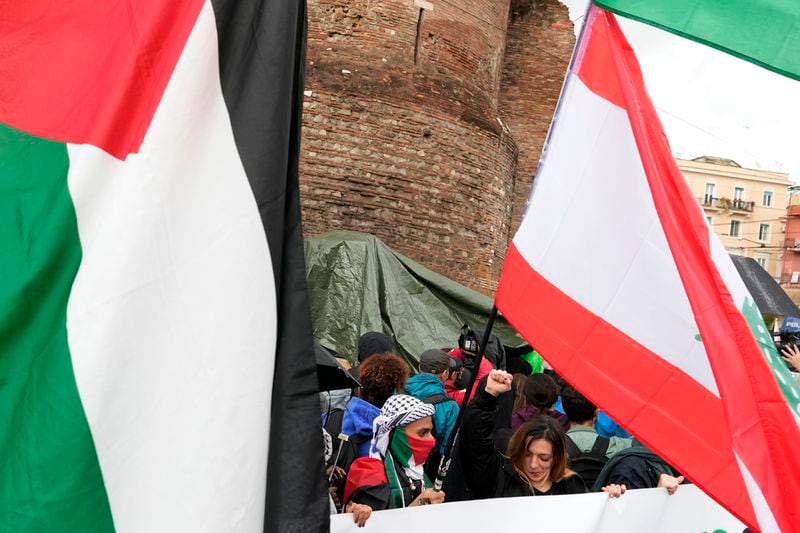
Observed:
{"x":616,"y":279}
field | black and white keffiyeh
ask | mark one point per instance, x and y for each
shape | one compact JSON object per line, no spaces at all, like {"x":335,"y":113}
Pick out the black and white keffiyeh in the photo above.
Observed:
{"x":399,"y":410}
{"x":328,"y":445}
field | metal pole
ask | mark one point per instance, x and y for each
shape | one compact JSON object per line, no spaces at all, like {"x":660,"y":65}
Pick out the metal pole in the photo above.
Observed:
{"x":445,"y":462}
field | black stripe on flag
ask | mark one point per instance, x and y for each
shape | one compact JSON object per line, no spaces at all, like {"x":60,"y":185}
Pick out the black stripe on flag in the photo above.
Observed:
{"x":262,"y":57}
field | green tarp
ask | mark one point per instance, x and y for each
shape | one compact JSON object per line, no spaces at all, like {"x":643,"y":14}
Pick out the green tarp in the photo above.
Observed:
{"x":357,"y":284}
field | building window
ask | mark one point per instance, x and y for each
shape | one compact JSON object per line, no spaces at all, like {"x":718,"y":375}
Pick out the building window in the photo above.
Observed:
{"x":710,"y":221}
{"x":766,"y":199}
{"x":738,"y":193}
{"x":709,"y":194}
{"x":795,"y":277}
{"x":761,"y":260}
{"x":735,"y":226}
{"x":763,"y":232}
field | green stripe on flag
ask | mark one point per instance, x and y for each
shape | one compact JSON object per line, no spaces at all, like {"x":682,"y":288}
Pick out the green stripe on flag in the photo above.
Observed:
{"x":50,"y":479}
{"x":764,"y":32}
{"x":783,"y":376}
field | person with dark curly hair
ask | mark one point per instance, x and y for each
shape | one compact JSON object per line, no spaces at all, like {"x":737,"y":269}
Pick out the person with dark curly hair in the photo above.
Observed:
{"x":381,"y":376}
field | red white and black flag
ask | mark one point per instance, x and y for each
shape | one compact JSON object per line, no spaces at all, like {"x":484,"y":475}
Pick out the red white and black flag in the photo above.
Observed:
{"x":154,"y":328}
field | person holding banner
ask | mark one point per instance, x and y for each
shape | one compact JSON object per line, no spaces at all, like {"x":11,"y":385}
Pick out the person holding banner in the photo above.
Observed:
{"x":393,"y":477}
{"x":536,"y":460}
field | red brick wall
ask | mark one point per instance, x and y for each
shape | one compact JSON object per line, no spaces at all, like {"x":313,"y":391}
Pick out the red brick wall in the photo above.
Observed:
{"x":407,"y":145}
{"x":433,"y":188}
{"x":540,"y":42}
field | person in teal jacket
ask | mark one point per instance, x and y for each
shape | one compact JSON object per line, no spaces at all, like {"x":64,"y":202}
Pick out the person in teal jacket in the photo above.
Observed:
{"x":428,"y":386}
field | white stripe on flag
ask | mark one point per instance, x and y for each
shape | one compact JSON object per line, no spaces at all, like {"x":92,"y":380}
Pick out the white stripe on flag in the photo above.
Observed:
{"x":733,"y":281}
{"x":622,"y":269}
{"x":766,"y":520}
{"x":172,"y":320}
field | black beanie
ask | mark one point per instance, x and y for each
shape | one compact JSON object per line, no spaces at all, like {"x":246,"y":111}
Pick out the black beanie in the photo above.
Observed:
{"x":373,"y":342}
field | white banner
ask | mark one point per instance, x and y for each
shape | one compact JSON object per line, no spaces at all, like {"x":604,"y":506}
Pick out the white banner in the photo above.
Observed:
{"x":651,"y":510}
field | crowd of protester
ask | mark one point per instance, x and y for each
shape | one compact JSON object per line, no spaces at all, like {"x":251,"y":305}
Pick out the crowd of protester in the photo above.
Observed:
{"x":523,"y":433}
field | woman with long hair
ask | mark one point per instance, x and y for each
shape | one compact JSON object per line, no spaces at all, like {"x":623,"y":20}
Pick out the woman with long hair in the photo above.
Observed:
{"x":536,"y":459}
{"x":538,"y":455}
{"x":518,"y":385}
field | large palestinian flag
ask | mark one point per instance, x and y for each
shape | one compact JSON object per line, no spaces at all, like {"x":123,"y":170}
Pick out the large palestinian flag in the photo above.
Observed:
{"x":616,"y":279}
{"x":154,"y":332}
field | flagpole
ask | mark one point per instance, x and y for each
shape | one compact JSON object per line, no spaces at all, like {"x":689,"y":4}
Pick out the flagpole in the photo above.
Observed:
{"x":444,"y":464}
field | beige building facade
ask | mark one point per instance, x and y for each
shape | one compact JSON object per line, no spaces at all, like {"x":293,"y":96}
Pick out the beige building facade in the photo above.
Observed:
{"x":745,"y":207}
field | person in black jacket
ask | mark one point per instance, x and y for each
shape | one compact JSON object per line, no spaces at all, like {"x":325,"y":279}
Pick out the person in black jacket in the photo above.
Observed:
{"x":639,"y":468}
{"x":536,"y":461}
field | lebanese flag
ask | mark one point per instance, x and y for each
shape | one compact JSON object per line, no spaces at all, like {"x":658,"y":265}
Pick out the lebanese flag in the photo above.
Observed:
{"x":156,"y":361}
{"x":618,"y":282}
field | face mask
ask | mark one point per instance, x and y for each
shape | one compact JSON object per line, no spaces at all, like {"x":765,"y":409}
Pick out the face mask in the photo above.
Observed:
{"x":420,"y":448}
{"x":405,"y":447}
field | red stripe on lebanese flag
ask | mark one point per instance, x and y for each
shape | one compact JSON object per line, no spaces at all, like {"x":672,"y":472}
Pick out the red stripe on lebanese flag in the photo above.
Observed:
{"x":101,"y":95}
{"x":764,"y":431}
{"x":657,"y":399}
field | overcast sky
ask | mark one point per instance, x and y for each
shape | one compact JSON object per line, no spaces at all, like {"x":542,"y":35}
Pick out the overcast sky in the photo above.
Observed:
{"x":714,"y":104}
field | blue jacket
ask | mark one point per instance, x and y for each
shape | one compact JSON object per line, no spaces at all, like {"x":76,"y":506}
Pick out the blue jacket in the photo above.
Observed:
{"x":606,"y":427}
{"x":357,"y":420}
{"x":423,"y":386}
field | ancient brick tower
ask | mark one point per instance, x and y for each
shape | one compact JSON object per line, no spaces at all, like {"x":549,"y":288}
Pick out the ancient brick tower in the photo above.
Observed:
{"x":423,"y":122}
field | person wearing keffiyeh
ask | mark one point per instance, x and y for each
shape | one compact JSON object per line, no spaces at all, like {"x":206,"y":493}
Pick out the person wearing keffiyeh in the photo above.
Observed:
{"x":392,"y":476}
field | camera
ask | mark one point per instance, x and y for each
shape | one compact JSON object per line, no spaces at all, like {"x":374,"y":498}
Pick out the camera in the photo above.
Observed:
{"x":468,"y":341}
{"x":471,"y":345}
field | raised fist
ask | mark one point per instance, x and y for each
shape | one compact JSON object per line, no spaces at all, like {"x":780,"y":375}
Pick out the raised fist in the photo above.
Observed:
{"x":498,"y":382}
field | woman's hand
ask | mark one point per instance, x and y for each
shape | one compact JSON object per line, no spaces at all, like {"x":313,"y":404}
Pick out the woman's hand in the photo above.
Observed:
{"x":791,"y":354}
{"x":614,"y":491}
{"x":669,"y":482}
{"x":498,"y":382}
{"x":361,"y":512}
{"x":429,"y":496}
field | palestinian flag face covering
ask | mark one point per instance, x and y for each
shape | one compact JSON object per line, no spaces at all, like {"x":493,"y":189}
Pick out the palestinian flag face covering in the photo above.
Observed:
{"x":403,"y":464}
{"x":411,"y":452}
{"x":403,"y":455}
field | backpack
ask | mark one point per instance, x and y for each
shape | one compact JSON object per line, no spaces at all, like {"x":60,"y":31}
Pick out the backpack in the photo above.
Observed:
{"x":438,"y":398}
{"x":589,"y":464}
{"x":345,"y":452}
{"x":332,"y":421}
{"x":639,"y":467}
